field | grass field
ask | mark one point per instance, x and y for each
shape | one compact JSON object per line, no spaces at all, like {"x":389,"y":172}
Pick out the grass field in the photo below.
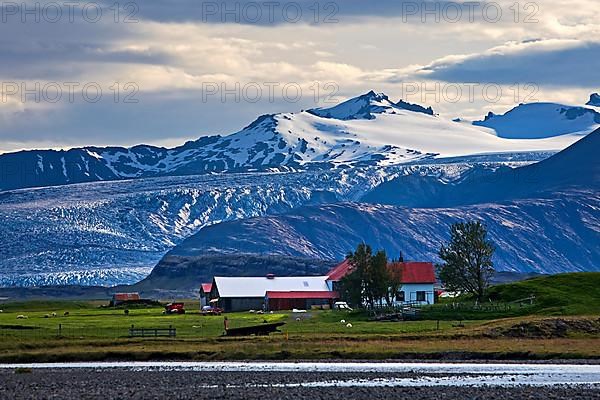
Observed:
{"x":561,"y":323}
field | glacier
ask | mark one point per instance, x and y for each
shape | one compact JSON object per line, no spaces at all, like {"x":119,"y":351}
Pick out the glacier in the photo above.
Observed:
{"x":112,"y":232}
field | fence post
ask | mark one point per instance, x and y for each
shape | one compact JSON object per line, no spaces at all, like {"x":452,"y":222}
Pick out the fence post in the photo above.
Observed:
{"x":59,"y":330}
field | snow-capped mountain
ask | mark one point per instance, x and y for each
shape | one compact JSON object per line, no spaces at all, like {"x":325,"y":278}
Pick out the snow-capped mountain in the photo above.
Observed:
{"x":594,"y":100}
{"x":366,"y":107}
{"x":369,"y":130}
{"x":541,"y":120}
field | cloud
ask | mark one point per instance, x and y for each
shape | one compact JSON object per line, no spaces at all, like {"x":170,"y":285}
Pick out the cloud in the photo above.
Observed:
{"x":555,"y":62}
{"x":170,"y":52}
{"x":274,"y":13}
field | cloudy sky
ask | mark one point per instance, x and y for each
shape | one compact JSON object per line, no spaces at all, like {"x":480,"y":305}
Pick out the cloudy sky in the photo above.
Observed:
{"x":162,"y":72}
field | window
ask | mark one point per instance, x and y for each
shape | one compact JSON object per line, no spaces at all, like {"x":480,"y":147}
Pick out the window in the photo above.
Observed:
{"x":420,"y":296}
{"x":400,"y":296}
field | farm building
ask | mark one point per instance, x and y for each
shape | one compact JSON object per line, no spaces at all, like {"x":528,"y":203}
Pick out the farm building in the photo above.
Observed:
{"x":251,"y":293}
{"x":417,"y":279}
{"x":205,"y":289}
{"x":276,"y":301}
{"x":120,"y":298}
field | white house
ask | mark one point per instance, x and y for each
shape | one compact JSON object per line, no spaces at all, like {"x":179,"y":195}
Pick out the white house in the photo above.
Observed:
{"x":417,"y":280}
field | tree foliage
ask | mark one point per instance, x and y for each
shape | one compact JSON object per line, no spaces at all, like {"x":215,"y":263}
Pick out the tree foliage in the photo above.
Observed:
{"x":370,"y":281}
{"x":467,"y":259}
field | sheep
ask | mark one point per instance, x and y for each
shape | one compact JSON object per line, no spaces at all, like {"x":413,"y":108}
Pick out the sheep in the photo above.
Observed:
{"x":343,"y":321}
{"x":21,"y":316}
{"x":66,"y":313}
{"x":348,"y":325}
{"x":1,"y":311}
{"x":53,"y":315}
{"x":298,"y":319}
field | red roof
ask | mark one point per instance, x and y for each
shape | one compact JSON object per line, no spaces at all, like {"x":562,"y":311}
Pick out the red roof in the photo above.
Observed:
{"x":415,"y":272}
{"x":126,"y":296}
{"x":339,"y":271}
{"x":206,"y":287}
{"x":302,"y":295}
{"x":411,"y":272}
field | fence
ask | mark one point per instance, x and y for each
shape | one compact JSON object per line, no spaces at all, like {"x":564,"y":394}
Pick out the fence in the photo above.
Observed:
{"x":152,"y":332}
{"x":37,"y":332}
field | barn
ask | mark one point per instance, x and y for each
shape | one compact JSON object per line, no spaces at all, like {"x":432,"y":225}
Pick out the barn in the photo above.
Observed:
{"x":276,"y":300}
{"x":251,"y":293}
{"x":121,"y":298}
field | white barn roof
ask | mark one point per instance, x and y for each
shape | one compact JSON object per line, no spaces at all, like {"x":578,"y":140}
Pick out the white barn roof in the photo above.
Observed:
{"x":258,"y":286}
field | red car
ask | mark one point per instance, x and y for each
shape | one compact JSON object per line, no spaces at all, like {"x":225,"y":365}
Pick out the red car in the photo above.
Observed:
{"x":174,"y":308}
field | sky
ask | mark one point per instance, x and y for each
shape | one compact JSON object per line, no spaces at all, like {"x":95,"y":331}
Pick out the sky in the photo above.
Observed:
{"x":163,"y":72}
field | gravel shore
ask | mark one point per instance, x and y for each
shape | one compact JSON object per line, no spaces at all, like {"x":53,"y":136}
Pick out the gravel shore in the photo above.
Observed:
{"x":116,"y":383}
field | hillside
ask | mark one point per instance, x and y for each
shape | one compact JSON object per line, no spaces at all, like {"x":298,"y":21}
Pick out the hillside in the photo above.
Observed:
{"x":546,"y":235}
{"x":563,"y":294}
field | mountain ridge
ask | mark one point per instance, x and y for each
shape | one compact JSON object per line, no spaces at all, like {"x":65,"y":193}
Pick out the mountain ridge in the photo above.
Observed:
{"x":574,"y":167}
{"x":369,"y":130}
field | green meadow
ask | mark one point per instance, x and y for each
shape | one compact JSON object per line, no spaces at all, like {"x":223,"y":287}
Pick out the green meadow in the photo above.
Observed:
{"x":561,"y":322}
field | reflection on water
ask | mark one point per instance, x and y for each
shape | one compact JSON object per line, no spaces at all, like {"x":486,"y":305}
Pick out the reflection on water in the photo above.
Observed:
{"x":455,"y":374}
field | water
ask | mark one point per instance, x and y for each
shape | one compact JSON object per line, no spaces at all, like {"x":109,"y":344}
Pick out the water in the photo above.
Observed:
{"x":425,"y":374}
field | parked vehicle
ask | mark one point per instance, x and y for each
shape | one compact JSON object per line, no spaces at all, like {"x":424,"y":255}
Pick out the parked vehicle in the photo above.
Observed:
{"x":211,"y":310}
{"x":341,"y":305}
{"x":175,"y":308}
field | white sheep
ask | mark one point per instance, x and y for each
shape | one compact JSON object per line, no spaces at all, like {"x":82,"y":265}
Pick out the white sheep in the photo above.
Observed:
{"x":1,"y":311}
{"x":21,"y":316}
{"x":298,"y":319}
{"x":348,"y":325}
{"x":343,"y":321}
{"x":53,"y":314}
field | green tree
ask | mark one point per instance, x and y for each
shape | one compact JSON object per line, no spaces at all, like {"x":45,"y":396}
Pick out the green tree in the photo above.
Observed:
{"x":394,"y":284}
{"x":378,"y":278}
{"x":355,"y":283}
{"x":369,"y":282}
{"x":350,"y":288}
{"x":467,"y":259}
